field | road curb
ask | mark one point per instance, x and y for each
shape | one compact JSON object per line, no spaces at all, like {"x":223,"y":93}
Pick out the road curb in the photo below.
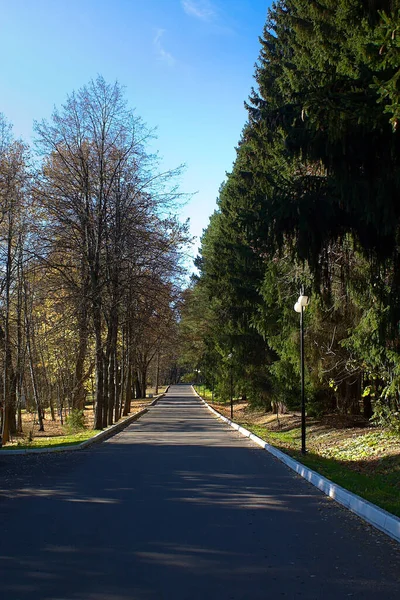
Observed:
{"x":374,"y":515}
{"x":99,"y":437}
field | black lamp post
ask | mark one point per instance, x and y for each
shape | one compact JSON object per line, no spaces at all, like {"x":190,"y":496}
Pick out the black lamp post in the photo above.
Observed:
{"x":299,"y":307}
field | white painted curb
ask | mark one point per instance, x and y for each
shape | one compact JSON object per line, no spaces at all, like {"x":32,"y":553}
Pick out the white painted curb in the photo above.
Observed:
{"x":99,"y":437}
{"x":378,"y":517}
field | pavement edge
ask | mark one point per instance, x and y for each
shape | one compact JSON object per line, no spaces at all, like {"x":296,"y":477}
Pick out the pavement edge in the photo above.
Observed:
{"x":374,"y":515}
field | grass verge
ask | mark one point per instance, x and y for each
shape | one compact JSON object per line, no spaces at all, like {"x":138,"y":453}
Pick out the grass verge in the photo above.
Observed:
{"x":374,"y":479}
{"x":52,"y":442}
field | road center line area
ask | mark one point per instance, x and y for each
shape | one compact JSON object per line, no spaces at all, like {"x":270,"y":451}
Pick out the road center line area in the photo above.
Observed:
{"x":180,"y":507}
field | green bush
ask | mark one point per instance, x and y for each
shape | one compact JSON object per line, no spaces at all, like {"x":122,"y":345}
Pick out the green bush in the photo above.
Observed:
{"x":75,"y":421}
{"x":384,"y":416}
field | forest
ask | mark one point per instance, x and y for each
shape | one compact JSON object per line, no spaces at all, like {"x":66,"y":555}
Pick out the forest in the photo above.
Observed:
{"x":311,"y":205}
{"x":91,"y":259}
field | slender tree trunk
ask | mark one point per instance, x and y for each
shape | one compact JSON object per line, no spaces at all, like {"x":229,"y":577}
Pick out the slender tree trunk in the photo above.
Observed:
{"x":111,"y":382}
{"x":48,"y":384}
{"x":51,"y":404}
{"x":34,"y":386}
{"x":19,"y":375}
{"x":128,"y":391}
{"x":8,"y":376}
{"x":79,"y":394}
{"x":128,"y":370}
{"x":120,"y":376}
{"x":158,"y":370}
{"x":6,"y":425}
{"x":99,"y":407}
{"x":19,"y":416}
{"x":143,"y":376}
{"x":59,"y":404}
{"x":112,"y":367}
{"x":138,"y":389}
{"x":117,"y":379}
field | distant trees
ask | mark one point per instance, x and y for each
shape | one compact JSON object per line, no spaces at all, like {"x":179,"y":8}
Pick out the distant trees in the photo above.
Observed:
{"x":312,"y":201}
{"x":92,"y":259}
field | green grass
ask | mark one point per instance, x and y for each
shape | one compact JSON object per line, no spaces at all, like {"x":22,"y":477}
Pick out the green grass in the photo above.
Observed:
{"x":204,"y":392}
{"x":208,"y":395}
{"x":52,"y":442}
{"x":350,"y":463}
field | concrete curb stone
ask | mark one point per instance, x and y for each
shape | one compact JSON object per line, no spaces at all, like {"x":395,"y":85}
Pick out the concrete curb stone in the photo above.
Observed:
{"x":374,"y":515}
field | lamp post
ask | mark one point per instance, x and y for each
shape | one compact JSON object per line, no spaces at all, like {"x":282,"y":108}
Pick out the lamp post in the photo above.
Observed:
{"x":299,"y":308}
{"x":230,"y":356}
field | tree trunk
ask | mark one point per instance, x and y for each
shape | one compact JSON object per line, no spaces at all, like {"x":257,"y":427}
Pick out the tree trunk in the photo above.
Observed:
{"x":128,"y":391}
{"x":6,"y":434}
{"x":158,"y":370}
{"x":118,"y":388}
{"x":19,"y":417}
{"x":143,"y":376}
{"x":111,"y":384}
{"x":128,"y":371}
{"x":51,"y":404}
{"x":138,"y":389}
{"x":35,"y":390}
{"x":20,"y":366}
{"x":8,"y":375}
{"x":29,"y":344}
{"x":106,"y":360}
{"x":99,"y":401}
{"x":79,"y":395}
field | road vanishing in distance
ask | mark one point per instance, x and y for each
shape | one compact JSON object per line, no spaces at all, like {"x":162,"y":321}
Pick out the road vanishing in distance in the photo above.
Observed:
{"x":178,"y":506}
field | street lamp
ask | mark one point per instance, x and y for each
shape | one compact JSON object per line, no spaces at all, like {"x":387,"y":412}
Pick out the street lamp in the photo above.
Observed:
{"x":299,"y":308}
{"x":230,"y":356}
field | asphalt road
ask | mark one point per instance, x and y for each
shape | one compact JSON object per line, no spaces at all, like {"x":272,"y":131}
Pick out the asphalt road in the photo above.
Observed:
{"x":180,"y":507}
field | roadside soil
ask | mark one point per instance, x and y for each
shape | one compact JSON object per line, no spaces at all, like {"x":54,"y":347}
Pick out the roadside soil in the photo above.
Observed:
{"x":350,"y":440}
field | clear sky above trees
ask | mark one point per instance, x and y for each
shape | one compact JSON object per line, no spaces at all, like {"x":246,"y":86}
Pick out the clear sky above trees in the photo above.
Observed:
{"x":187,"y":66}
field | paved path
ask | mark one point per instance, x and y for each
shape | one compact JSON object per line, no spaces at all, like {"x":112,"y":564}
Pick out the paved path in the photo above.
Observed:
{"x":180,"y":507}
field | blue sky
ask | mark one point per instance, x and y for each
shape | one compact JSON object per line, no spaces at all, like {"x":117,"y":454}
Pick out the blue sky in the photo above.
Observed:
{"x":187,"y":66}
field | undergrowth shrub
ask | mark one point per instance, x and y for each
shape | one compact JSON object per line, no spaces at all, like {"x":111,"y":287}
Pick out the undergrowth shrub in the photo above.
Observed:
{"x":75,"y":421}
{"x":385,"y":417}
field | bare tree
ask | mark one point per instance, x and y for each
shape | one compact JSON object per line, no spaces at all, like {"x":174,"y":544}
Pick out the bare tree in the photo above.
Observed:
{"x":13,"y":191}
{"x":101,"y":196}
